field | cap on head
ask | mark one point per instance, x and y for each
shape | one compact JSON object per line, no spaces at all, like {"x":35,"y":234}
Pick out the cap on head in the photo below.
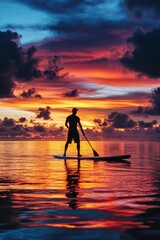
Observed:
{"x":74,"y":110}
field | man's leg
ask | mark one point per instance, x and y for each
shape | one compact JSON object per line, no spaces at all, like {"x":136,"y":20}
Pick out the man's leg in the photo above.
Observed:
{"x":78,"y":148}
{"x":65,"y":148}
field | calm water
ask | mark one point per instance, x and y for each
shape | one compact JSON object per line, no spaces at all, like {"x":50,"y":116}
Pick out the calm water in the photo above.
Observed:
{"x":45,"y":198}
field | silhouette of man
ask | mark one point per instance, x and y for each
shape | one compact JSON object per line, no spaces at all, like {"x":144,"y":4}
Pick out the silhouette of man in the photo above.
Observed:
{"x":72,"y":121}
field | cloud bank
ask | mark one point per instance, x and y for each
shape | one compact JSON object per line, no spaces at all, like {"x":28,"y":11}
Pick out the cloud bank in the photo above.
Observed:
{"x":144,"y":57}
{"x":16,"y":64}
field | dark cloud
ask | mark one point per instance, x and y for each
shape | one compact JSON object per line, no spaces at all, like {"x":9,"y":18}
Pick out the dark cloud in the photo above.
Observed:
{"x":17,"y":130}
{"x":8,"y":122}
{"x":27,"y":69}
{"x":13,"y":130}
{"x":44,"y":113}
{"x":53,"y":71}
{"x":84,"y":27}
{"x":103,"y":31}
{"x":7,"y":86}
{"x":81,"y":35}
{"x":121,"y":120}
{"x":30,"y":93}
{"x":154,"y":108}
{"x":39,"y":128}
{"x":85,"y":44}
{"x":100,"y":122}
{"x":59,"y":7}
{"x":15,"y":63}
{"x":22,"y":119}
{"x":143,"y":124}
{"x":9,"y":128}
{"x":155,"y":101}
{"x":97,"y":121}
{"x":9,"y":58}
{"x":138,"y":111}
{"x":140,"y":7}
{"x":78,"y":31}
{"x":72,"y":93}
{"x":144,"y":57}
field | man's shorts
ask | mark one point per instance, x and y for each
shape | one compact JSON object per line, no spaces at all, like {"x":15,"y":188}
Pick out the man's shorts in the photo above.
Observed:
{"x":73,"y":135}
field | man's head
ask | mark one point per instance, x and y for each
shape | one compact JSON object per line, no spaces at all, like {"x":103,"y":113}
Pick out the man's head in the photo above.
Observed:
{"x":74,"y":110}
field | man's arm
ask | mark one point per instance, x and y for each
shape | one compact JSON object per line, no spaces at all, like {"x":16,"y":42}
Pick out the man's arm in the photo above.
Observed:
{"x":66,"y":123}
{"x":81,"y":127}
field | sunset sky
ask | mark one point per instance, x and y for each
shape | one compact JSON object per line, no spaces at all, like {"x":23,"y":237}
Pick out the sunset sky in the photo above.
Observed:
{"x":109,"y":49}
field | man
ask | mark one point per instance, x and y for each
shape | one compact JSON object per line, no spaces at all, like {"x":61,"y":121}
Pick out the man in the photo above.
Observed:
{"x":72,"y":121}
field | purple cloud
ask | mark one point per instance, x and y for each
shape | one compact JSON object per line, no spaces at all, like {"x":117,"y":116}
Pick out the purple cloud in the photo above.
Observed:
{"x":44,"y":113}
{"x":72,"y":93}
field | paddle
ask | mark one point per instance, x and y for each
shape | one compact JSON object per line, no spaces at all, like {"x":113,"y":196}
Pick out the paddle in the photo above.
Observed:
{"x":94,"y":152}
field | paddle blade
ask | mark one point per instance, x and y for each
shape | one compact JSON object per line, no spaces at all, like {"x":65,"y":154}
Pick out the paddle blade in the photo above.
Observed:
{"x":95,"y":153}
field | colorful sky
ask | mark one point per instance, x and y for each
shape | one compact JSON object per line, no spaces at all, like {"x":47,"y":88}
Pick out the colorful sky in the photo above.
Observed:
{"x":110,"y":50}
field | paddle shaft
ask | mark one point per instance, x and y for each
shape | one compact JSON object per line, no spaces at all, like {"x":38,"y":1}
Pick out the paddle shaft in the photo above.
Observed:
{"x":94,"y":152}
{"x":88,"y":142}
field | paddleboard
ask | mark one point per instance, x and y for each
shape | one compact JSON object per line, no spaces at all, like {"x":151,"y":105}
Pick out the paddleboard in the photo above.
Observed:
{"x":103,"y":158}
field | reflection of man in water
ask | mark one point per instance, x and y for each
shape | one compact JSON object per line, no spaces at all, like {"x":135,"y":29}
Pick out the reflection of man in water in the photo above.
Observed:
{"x":9,"y":216}
{"x":72,"y":121}
{"x":73,"y":177}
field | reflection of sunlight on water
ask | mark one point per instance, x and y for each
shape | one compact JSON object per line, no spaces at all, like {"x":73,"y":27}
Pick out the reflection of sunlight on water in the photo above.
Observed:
{"x":40,"y":191}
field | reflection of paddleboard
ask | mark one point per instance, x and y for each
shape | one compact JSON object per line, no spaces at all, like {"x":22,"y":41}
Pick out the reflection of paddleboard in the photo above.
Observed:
{"x":103,"y":158}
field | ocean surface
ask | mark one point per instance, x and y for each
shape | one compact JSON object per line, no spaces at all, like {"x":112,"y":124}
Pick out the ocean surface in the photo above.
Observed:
{"x":45,"y":198}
